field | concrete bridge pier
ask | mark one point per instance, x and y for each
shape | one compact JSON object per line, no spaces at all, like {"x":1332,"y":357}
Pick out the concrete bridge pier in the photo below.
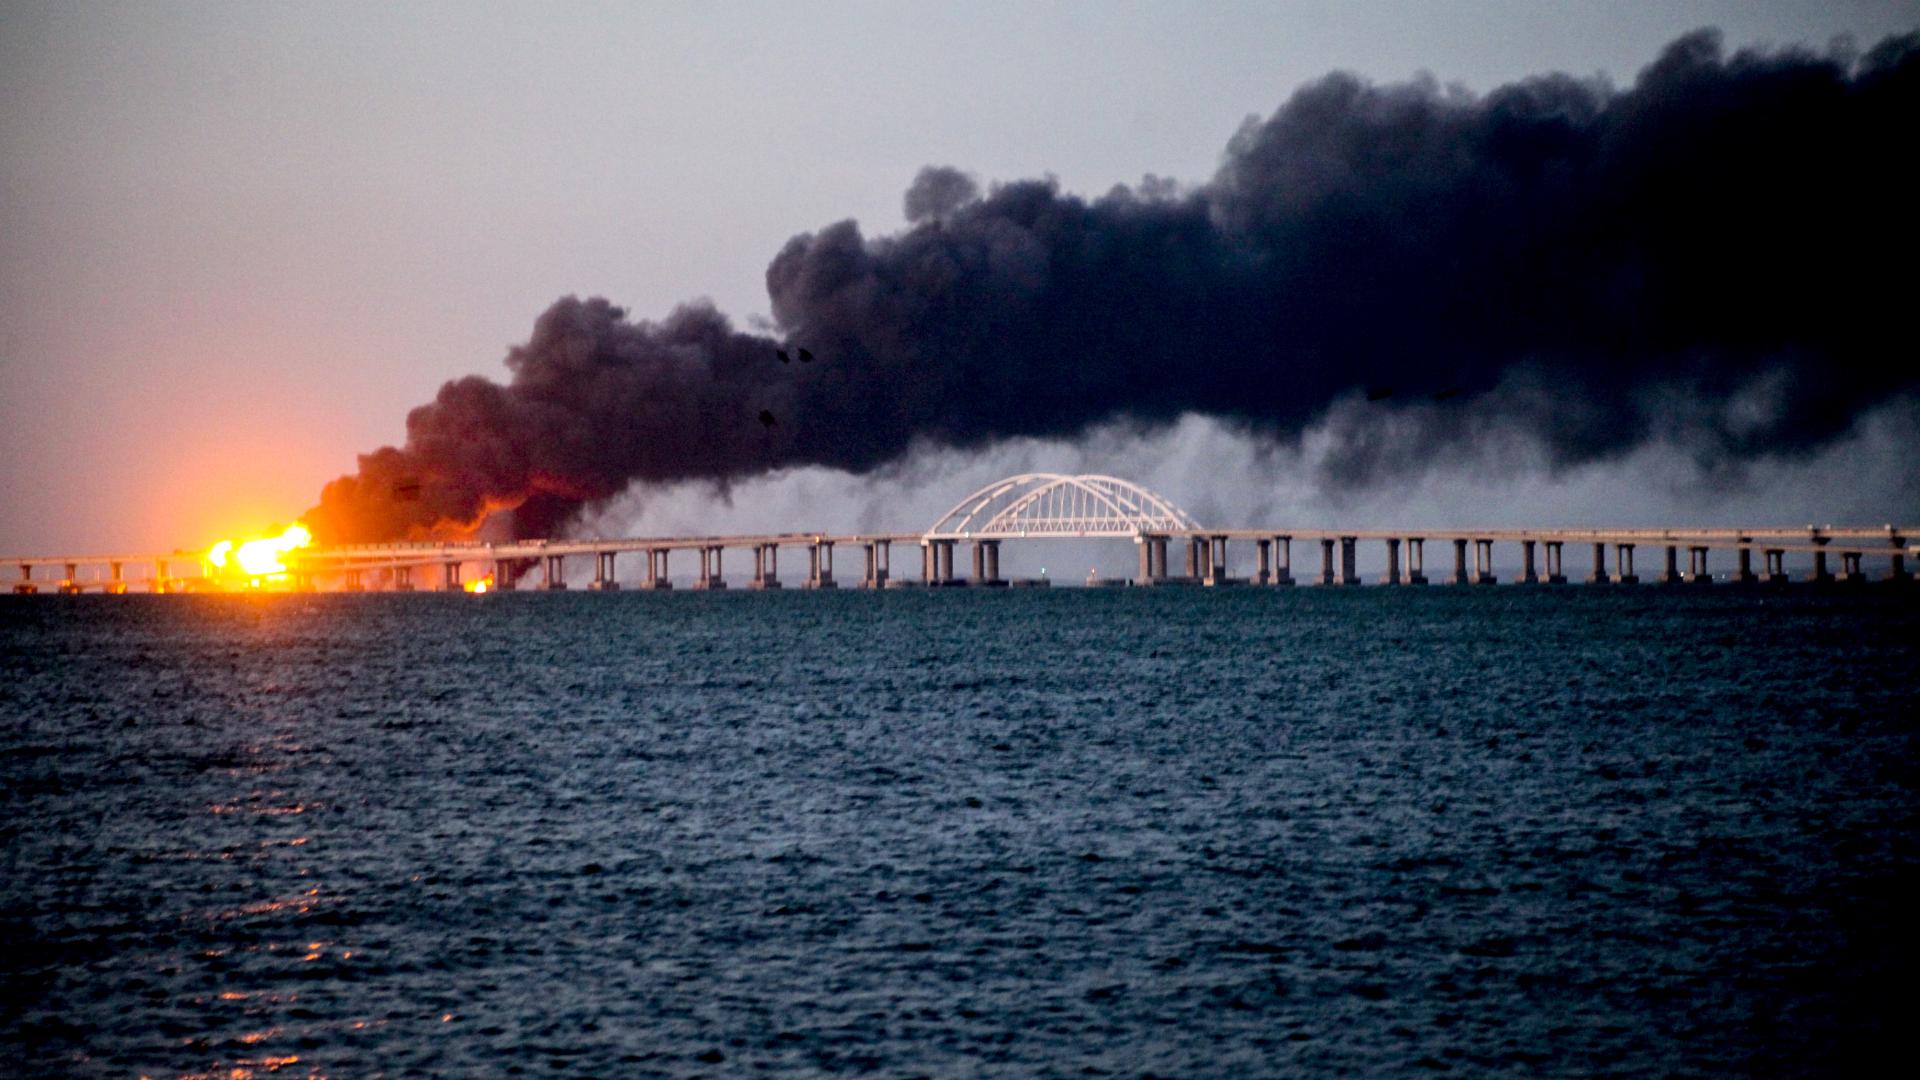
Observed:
{"x":1283,"y":560}
{"x":1672,"y":575}
{"x":1198,"y":554}
{"x":553,"y":573}
{"x":1527,"y":576}
{"x":1850,"y":568}
{"x":1264,"y":573}
{"x":1483,"y":563}
{"x":116,"y":579}
{"x":1599,"y":575}
{"x":355,"y":582}
{"x":658,"y":572}
{"x":450,"y":578}
{"x":883,"y":563}
{"x":1697,"y":572}
{"x":604,"y":579}
{"x":1153,"y":560}
{"x":1897,"y":571}
{"x":1556,"y":563}
{"x":1744,"y":557}
{"x":766,"y":567}
{"x":1416,"y":560}
{"x":1217,"y":563}
{"x":1821,"y":575}
{"x":986,"y":564}
{"x":1623,"y":565}
{"x":502,"y":576}
{"x":1392,"y":576}
{"x":1460,"y":562}
{"x":1145,"y":543}
{"x":25,"y":586}
{"x":1349,"y":575}
{"x":1326,"y":560}
{"x":70,"y":584}
{"x":403,"y":579}
{"x":711,"y":577}
{"x":1776,"y":573}
{"x":943,"y":564}
{"x":820,"y":565}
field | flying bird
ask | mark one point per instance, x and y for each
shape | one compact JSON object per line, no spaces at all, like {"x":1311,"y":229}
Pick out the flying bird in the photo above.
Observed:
{"x":782,"y":354}
{"x":806,"y":357}
{"x":766,"y":418}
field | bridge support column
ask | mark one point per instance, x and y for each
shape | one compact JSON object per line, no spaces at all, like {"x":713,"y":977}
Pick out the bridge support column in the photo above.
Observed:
{"x":403,"y":579}
{"x":604,"y":579}
{"x":1348,"y":574}
{"x":1776,"y":566}
{"x":1416,"y":569}
{"x":502,"y":576}
{"x":711,"y":577}
{"x":1527,"y":576}
{"x":1483,"y":563}
{"x":1821,"y":576}
{"x":1623,"y":565}
{"x":1697,"y":571}
{"x":26,"y":587}
{"x":943,"y":563}
{"x":1850,"y":568}
{"x":1146,"y":560}
{"x":657,"y":570}
{"x":929,"y":568}
{"x":353,"y":582}
{"x":820,"y":565}
{"x":1326,"y":560}
{"x":986,"y":563}
{"x":1599,"y":575}
{"x":1672,"y":575}
{"x":1264,"y":573}
{"x":70,"y":584}
{"x":1897,"y":568}
{"x":1159,"y":545}
{"x":1392,"y":576}
{"x":1556,"y":563}
{"x":116,"y":580}
{"x":1217,"y":562}
{"x":554,"y":577}
{"x":883,"y":570}
{"x":1283,"y":560}
{"x":1460,"y":562}
{"x":450,"y":578}
{"x":1194,"y":571}
{"x":766,"y":566}
{"x":1744,"y":575}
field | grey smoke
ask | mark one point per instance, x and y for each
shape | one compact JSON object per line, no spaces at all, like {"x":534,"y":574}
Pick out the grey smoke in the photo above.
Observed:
{"x":1700,"y":259}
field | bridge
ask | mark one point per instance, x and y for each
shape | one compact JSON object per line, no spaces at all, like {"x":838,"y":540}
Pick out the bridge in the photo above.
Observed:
{"x":1027,"y":507}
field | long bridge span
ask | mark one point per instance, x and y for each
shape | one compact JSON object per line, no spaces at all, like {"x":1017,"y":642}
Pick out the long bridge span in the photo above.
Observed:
{"x":1033,"y":507}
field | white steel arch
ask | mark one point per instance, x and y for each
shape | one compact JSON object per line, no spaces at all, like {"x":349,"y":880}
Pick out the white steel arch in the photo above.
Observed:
{"x":1053,"y":504}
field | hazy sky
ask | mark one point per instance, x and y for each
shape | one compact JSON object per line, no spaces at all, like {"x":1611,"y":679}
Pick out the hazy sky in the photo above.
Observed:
{"x":239,"y":241}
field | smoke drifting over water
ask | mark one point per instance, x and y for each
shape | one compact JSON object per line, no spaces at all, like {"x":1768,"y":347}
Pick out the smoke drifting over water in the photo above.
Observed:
{"x":1698,"y":259}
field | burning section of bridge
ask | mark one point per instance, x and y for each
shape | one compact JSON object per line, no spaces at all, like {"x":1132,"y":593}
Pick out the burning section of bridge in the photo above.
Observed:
{"x":259,"y":563}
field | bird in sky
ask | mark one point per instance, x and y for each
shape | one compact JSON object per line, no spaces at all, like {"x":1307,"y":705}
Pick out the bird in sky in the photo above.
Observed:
{"x":806,"y":357}
{"x":782,"y":354}
{"x":766,"y":418}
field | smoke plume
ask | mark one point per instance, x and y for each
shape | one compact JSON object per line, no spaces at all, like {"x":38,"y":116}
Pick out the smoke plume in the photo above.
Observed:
{"x":1717,"y":256}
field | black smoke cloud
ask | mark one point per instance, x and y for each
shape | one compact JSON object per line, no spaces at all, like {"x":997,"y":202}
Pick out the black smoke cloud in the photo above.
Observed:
{"x":1719,"y":255}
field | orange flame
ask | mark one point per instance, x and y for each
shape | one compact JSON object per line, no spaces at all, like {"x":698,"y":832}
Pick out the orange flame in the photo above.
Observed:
{"x":260,"y":560}
{"x":481,"y":585}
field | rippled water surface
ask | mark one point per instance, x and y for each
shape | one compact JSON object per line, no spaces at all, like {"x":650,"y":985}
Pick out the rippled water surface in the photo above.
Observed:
{"x":1259,"y":832}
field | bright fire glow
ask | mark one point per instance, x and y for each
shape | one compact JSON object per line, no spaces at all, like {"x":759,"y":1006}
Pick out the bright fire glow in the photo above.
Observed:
{"x":482,"y":585}
{"x":258,"y":560}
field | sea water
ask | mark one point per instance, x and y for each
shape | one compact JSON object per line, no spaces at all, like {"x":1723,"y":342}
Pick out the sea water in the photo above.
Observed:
{"x":1385,"y":832}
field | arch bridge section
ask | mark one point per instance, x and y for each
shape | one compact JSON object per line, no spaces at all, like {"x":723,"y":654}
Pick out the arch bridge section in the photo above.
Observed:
{"x":1051,"y":506}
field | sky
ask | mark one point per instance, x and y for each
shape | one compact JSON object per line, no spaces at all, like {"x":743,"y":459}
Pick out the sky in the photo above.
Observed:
{"x":238,"y":242}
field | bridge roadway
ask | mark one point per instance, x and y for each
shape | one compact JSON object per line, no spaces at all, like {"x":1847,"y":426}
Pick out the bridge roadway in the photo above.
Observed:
{"x":392,"y":566}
